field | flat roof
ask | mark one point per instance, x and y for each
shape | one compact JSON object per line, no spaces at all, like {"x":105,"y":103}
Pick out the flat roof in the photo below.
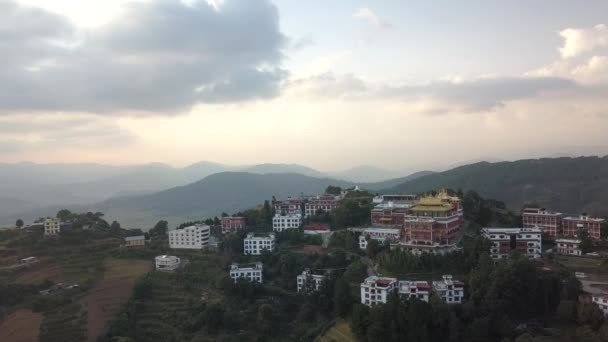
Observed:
{"x":132,"y":238}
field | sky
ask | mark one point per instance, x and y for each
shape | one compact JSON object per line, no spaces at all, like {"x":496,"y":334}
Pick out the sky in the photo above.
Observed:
{"x":328,"y":84}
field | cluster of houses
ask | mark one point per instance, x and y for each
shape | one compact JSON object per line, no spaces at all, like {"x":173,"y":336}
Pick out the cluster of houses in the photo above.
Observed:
{"x":376,"y":290}
{"x":560,"y":225}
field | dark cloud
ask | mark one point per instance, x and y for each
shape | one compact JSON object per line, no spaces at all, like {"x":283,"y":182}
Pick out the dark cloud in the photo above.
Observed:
{"x":160,"y":56}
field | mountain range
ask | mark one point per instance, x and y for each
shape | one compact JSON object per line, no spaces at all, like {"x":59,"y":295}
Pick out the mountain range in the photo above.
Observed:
{"x":133,"y":197}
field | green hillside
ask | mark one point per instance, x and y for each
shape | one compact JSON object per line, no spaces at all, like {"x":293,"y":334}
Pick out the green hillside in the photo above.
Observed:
{"x":570,"y":185}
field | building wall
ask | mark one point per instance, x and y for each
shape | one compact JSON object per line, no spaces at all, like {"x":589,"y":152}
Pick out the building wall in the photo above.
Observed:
{"x":280,"y":223}
{"x":52,"y":226}
{"x":193,"y":237}
{"x":253,"y":245}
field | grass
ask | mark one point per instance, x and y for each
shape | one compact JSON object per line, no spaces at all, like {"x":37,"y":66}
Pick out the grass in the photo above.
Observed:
{"x":339,"y":332}
{"x":67,"y":323}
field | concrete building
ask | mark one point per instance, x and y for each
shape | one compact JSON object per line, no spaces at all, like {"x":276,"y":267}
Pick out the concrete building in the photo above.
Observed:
{"x":451,"y":291}
{"x":389,"y":210}
{"x":325,"y":203}
{"x":572,"y":224}
{"x":379,"y":234}
{"x":192,"y":237}
{"x":135,"y":241}
{"x":549,"y":222}
{"x":434,"y":248}
{"x":255,"y":243}
{"x":376,"y":290}
{"x":290,"y":206}
{"x":167,"y":262}
{"x":528,"y":241}
{"x":252,"y":272}
{"x":602,"y":301}
{"x":307,"y":274}
{"x":232,"y":223}
{"x":568,"y":247}
{"x":414,"y":290}
{"x":52,"y":226}
{"x":282,"y":222}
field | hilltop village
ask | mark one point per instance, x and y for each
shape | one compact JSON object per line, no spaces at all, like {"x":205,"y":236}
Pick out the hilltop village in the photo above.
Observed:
{"x":436,"y":265}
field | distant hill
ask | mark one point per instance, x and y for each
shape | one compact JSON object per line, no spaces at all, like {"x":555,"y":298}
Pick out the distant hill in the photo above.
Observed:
{"x":570,"y":185}
{"x":217,"y":193}
{"x":365,"y":173}
{"x":382,"y":185}
{"x":282,"y":168}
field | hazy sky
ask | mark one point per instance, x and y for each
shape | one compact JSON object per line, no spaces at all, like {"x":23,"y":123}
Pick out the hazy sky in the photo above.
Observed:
{"x":330,"y":84}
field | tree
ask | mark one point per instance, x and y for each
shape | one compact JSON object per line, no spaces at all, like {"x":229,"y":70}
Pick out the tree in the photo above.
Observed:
{"x":333,"y":190}
{"x":360,"y":319}
{"x":342,"y":298}
{"x":64,"y":214}
{"x":115,"y":226}
{"x":160,"y":229}
{"x":19,"y":223}
{"x":586,"y":243}
{"x":265,"y":318}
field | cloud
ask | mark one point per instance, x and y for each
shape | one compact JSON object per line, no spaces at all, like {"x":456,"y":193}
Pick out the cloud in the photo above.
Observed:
{"x":40,"y":131}
{"x":368,"y":15}
{"x":441,"y":96}
{"x":580,"y":40}
{"x":159,"y":56}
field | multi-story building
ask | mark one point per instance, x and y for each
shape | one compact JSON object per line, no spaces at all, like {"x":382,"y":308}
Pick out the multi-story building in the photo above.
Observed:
{"x":389,"y":210}
{"x":434,"y":219}
{"x":232,"y":223}
{"x":135,"y":241}
{"x":549,"y":222}
{"x":602,"y":301}
{"x":568,"y":247}
{"x":314,"y":229}
{"x":192,"y":237}
{"x":52,"y":226}
{"x":251,"y":272}
{"x":255,"y":243}
{"x":317,"y":279}
{"x":376,"y":290}
{"x":167,"y":262}
{"x":528,"y":241}
{"x":289,"y":221}
{"x":414,"y":290}
{"x":325,"y":203}
{"x":451,"y":291}
{"x":572,"y":224}
{"x":379,"y":234}
{"x":290,"y":206}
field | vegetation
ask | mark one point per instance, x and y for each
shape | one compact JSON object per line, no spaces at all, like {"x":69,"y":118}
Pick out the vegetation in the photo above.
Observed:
{"x":563,"y":184}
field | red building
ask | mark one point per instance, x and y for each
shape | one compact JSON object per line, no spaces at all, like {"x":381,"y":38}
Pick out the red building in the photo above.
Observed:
{"x":388,"y":216}
{"x":434,"y":219}
{"x":231,"y":224}
{"x":549,"y":222}
{"x":290,"y":206}
{"x":593,"y":225}
{"x":316,"y":228}
{"x":326,"y":203}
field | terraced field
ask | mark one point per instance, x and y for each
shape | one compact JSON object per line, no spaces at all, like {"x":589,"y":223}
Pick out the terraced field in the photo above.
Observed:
{"x":339,"y":332}
{"x":65,"y":324}
{"x":21,"y":326}
{"x":109,"y":294}
{"x":168,"y":299}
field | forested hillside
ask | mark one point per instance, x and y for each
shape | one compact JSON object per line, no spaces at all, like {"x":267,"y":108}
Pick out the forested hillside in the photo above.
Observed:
{"x":572,"y":185}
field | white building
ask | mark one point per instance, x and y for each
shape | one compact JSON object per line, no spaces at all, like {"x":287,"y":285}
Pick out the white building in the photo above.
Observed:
{"x":167,"y":262}
{"x":414,"y":290}
{"x":192,"y":237}
{"x":251,"y":272}
{"x":255,"y":243}
{"x":316,"y":278}
{"x":379,"y":234}
{"x":289,"y":221}
{"x":451,"y":291}
{"x":375,"y":290}
{"x":568,"y":247}
{"x":602,"y":301}
{"x":528,"y":241}
{"x":52,"y":226}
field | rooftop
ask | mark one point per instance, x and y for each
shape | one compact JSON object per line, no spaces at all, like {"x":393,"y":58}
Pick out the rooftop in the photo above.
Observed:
{"x":135,"y":238}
